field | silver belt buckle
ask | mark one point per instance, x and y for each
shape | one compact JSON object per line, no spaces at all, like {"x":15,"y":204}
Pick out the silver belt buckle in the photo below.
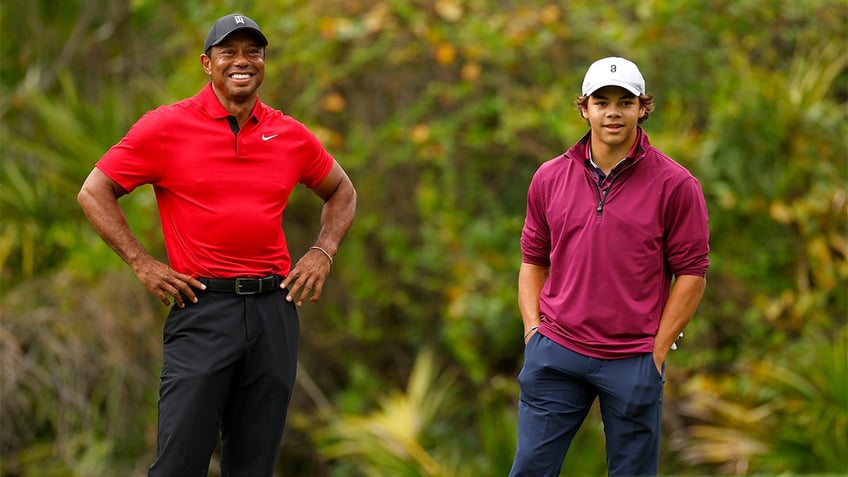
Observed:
{"x":239,"y":285}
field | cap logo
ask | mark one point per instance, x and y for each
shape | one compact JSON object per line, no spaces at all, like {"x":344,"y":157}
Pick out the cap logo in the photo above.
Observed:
{"x":612,"y":68}
{"x":239,"y":19}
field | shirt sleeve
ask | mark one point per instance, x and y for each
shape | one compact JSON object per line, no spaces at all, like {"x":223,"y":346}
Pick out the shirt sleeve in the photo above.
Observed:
{"x":535,"y":235}
{"x":687,"y":229}
{"x":318,"y":161}
{"x":137,"y":158}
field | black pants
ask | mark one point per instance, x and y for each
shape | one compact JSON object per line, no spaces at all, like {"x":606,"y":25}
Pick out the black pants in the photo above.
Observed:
{"x":229,"y":365}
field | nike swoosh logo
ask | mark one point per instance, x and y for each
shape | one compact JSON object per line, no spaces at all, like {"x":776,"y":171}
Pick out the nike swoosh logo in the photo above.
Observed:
{"x":267,"y":138}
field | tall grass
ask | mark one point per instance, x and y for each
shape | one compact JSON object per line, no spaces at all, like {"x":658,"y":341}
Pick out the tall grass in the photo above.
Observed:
{"x":78,"y":366}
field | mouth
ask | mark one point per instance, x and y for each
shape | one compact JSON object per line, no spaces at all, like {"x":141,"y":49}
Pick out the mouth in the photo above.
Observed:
{"x":240,"y":77}
{"x":614,"y":127}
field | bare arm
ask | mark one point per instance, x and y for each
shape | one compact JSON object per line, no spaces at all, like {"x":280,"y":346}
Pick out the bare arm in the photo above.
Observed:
{"x":683,"y":300}
{"x":531,"y":279}
{"x":310,"y":272}
{"x":99,"y":200}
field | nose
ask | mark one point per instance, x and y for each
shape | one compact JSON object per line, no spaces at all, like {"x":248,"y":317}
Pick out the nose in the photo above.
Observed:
{"x":613,"y":110}
{"x":240,"y":58}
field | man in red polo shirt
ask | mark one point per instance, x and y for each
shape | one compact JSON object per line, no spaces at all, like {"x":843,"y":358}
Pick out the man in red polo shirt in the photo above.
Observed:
{"x":222,"y":165}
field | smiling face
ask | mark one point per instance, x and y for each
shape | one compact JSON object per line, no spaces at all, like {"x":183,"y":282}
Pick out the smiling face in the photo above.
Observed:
{"x":613,"y":114}
{"x":237,"y":67}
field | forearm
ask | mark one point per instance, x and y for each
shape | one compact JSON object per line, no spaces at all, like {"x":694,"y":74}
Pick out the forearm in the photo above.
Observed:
{"x":98,"y":199}
{"x":337,"y":217}
{"x":309,"y":273}
{"x":531,"y":279}
{"x":100,"y":205}
{"x":683,"y":300}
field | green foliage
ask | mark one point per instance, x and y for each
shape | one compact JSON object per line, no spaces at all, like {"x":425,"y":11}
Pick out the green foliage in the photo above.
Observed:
{"x":76,"y":377}
{"x":390,"y":439}
{"x":780,"y":183}
{"x":790,"y":413}
{"x":440,"y":112}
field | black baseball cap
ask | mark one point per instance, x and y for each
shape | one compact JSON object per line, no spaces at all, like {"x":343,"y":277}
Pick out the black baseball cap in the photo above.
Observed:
{"x":231,"y":23}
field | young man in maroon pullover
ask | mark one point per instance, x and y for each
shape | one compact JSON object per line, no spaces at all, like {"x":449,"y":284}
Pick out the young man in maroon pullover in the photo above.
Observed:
{"x":614,"y":255}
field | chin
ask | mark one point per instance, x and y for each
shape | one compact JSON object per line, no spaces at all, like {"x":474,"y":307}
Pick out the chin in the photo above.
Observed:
{"x":242,"y":91}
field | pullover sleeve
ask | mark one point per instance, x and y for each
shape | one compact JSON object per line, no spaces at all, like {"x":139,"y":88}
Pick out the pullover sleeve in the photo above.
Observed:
{"x":687,"y":244}
{"x":535,"y":235}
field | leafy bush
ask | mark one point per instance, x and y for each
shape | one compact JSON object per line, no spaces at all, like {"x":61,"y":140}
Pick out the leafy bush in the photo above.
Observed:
{"x":440,"y":112}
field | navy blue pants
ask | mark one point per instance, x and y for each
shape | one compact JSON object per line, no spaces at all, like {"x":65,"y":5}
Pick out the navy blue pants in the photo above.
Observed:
{"x":229,"y":365}
{"x":559,"y":386}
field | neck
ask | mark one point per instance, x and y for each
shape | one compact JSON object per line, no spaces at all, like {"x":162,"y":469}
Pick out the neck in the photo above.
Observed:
{"x":241,"y":111}
{"x":241,"y":108}
{"x":606,"y":156}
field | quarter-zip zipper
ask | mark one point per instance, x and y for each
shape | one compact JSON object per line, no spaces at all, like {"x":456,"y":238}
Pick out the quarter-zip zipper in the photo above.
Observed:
{"x":603,"y":194}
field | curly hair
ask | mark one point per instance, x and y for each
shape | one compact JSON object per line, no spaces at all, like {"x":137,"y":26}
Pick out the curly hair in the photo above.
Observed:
{"x":646,"y":100}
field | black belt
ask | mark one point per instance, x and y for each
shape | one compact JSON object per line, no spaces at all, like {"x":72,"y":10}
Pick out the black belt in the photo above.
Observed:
{"x":243,"y":286}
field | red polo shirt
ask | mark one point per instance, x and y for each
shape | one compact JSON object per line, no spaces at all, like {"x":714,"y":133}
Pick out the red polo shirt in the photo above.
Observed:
{"x":221,"y":195}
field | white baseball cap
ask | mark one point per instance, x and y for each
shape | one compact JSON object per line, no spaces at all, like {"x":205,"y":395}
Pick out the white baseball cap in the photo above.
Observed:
{"x":613,"y":71}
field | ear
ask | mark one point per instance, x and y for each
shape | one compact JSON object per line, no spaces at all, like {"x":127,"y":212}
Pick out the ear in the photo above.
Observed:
{"x":206,"y":64}
{"x":642,"y":110}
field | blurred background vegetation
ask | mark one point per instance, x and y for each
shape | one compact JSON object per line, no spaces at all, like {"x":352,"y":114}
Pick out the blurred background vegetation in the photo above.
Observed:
{"x":440,"y":110}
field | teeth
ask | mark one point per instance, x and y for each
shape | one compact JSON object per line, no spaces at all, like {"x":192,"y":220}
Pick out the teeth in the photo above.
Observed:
{"x":241,"y":76}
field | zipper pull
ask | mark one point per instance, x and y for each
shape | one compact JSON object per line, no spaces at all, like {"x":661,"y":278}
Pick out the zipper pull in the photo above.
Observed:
{"x":601,"y":201}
